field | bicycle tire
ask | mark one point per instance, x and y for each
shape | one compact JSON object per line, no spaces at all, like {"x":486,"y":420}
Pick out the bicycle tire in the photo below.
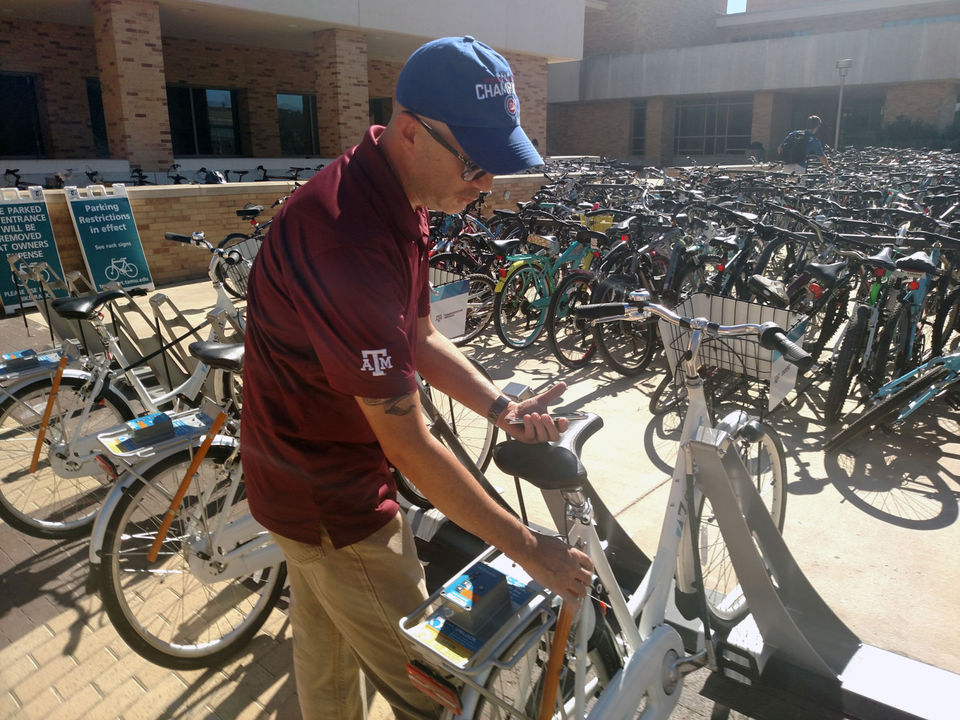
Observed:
{"x":163,"y":611}
{"x":477,"y":434}
{"x":570,"y":337}
{"x":627,"y":347}
{"x":884,"y":410}
{"x":43,"y":504}
{"x":520,"y":686}
{"x":480,"y":297}
{"x":667,"y":395}
{"x":766,"y":463}
{"x":234,"y":276}
{"x":946,"y":327}
{"x":825,"y":323}
{"x":890,"y":357}
{"x":847,"y":364}
{"x":519,"y":308}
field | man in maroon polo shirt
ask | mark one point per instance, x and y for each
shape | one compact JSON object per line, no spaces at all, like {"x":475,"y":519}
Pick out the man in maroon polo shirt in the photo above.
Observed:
{"x":338,"y":324}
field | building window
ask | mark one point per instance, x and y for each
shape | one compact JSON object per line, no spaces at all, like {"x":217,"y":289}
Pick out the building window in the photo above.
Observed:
{"x":20,"y":120}
{"x":298,"y":124}
{"x":98,"y":122}
{"x":203,"y":121}
{"x":638,"y":128}
{"x":713,"y":126}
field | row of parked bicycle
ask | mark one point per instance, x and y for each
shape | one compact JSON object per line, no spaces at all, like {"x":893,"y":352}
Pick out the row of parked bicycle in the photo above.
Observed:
{"x":864,"y":260}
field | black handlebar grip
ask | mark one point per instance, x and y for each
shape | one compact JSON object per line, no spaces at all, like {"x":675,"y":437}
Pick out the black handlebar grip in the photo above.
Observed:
{"x":176,"y":237}
{"x":772,"y":337}
{"x":599,"y":310}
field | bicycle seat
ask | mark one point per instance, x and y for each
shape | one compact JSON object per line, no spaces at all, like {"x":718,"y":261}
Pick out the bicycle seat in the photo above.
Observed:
{"x":882,"y":259}
{"x":83,"y":308}
{"x":550,"y":466}
{"x":225,"y":356}
{"x":918,"y":262}
{"x":828,"y":273}
{"x":249,"y":212}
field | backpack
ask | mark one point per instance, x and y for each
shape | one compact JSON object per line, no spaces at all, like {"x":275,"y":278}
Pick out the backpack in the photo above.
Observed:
{"x":794,"y":147}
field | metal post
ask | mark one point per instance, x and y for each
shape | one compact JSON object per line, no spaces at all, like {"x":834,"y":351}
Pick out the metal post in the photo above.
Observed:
{"x":843,"y":66}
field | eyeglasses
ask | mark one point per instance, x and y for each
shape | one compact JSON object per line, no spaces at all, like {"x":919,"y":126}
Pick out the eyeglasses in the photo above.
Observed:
{"x":471,"y":171}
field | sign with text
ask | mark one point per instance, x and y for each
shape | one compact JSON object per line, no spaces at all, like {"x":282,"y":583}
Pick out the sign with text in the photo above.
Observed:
{"x":108,"y":236}
{"x":26,"y":232}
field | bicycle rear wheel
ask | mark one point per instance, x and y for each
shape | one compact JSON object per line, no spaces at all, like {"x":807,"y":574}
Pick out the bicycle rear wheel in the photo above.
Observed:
{"x":847,"y":363}
{"x":163,"y":610}
{"x":762,"y":453}
{"x":520,"y":308}
{"x":41,"y":503}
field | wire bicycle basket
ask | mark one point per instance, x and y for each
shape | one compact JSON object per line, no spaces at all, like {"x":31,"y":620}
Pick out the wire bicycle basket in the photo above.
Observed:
{"x":766,"y":370}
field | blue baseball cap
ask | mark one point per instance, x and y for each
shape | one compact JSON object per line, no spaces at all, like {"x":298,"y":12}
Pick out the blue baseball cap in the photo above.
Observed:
{"x":469,"y":86}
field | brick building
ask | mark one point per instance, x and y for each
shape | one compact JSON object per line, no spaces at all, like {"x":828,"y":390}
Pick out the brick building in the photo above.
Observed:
{"x":661,"y":81}
{"x":117,"y":84}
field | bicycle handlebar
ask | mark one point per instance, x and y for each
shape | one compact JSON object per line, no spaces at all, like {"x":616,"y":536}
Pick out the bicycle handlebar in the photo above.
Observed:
{"x":771,"y":336}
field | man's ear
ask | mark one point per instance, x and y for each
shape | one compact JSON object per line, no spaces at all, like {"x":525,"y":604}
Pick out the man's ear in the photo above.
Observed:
{"x":406,"y":127}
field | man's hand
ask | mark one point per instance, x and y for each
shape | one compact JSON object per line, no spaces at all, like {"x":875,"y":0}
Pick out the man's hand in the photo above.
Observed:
{"x":558,"y":567}
{"x":530,"y":420}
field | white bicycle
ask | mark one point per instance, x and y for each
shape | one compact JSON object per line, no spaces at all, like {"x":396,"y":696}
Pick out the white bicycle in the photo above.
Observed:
{"x":492,"y":643}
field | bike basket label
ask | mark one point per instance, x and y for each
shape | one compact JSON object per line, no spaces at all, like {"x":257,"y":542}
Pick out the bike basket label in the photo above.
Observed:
{"x":26,"y":231}
{"x":108,"y":236}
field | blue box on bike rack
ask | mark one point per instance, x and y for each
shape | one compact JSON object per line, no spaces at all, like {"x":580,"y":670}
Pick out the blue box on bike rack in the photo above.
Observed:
{"x":151,"y":428}
{"x":20,"y":360}
{"x":476,"y":597}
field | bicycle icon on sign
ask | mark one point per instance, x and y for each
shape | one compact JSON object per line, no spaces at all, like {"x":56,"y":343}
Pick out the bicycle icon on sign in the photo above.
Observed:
{"x":120,"y":266}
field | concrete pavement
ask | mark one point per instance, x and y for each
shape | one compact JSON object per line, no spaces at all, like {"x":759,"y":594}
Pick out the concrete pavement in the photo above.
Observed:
{"x":875,"y":531}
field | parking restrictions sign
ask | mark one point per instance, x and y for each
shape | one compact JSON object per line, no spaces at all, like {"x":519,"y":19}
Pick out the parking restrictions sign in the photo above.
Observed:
{"x":26,"y":231}
{"x":108,"y":236}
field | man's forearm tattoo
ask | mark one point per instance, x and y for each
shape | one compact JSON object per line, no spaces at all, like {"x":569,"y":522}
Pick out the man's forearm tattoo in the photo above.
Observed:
{"x":402,"y":405}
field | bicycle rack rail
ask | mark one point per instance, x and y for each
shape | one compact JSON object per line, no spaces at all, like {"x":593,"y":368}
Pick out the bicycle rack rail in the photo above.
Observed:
{"x":803,"y":646}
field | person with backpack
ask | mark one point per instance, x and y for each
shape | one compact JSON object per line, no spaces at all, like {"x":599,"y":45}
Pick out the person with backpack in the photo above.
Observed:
{"x":799,"y":145}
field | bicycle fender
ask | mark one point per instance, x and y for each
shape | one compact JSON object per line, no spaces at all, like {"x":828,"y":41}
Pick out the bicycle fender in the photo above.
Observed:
{"x":120,"y":487}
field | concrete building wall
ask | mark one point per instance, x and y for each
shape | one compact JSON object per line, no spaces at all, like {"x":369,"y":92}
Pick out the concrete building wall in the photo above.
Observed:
{"x":631,"y":26}
{"x":590,"y":128}
{"x":931,"y":103}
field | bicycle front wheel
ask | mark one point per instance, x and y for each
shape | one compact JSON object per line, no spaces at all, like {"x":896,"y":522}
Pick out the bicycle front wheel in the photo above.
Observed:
{"x":41,"y":503}
{"x":762,"y":454}
{"x":519,"y":309}
{"x":627,"y":346}
{"x":570,"y":336}
{"x":233,"y":270}
{"x":476,"y":434}
{"x":163,"y":610}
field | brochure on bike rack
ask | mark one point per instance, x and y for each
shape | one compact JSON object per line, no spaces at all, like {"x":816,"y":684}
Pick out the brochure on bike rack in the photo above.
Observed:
{"x":149,"y":434}
{"x":108,"y":235}
{"x":475,"y":609}
{"x":21,"y":360}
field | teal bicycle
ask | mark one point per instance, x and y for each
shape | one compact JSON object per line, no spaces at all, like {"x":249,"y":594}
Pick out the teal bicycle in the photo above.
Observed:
{"x":896,"y":401}
{"x":522,"y":295}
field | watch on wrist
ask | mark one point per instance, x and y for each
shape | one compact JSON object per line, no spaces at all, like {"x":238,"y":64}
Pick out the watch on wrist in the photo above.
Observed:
{"x":499,"y":405}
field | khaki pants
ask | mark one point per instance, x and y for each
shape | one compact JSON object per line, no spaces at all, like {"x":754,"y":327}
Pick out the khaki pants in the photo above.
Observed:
{"x":345,"y":608}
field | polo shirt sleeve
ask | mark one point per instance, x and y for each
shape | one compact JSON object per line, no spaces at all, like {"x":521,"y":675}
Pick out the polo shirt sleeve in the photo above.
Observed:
{"x":360,"y":318}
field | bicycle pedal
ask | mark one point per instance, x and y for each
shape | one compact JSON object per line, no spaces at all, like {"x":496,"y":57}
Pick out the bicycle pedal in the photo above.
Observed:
{"x":737,"y":663}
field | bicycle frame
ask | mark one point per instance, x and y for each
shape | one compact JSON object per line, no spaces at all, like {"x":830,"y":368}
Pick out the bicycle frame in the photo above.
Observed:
{"x":951,"y":362}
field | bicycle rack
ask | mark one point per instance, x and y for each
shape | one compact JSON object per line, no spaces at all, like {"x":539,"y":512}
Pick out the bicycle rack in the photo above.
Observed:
{"x":803,"y":646}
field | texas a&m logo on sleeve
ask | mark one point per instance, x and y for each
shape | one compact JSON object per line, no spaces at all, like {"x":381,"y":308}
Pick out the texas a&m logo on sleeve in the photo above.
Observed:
{"x":376,"y":361}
